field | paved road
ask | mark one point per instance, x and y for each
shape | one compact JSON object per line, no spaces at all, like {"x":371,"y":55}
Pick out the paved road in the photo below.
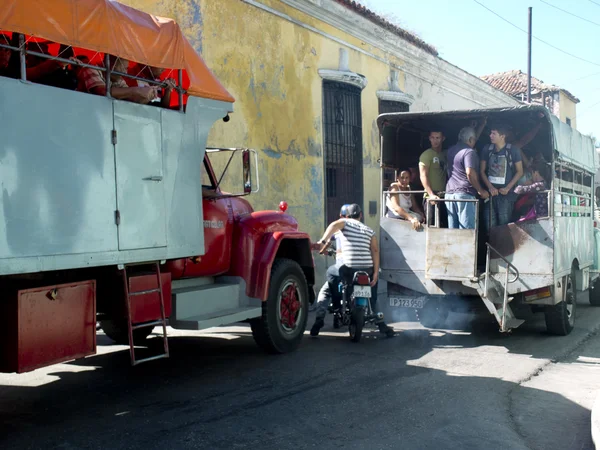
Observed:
{"x":424,"y":389}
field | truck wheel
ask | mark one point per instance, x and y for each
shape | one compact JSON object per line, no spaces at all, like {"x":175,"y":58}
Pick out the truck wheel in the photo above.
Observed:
{"x":560,"y":318}
{"x":594,"y":293}
{"x":284,"y":314}
{"x":357,"y":322}
{"x":433,"y":314}
{"x":117,"y":331}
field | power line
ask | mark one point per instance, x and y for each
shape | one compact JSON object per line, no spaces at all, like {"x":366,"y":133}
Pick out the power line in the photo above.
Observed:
{"x":587,"y":76}
{"x":571,"y":80}
{"x":589,"y":108}
{"x":570,"y":13}
{"x":537,"y":38}
{"x":595,"y":3}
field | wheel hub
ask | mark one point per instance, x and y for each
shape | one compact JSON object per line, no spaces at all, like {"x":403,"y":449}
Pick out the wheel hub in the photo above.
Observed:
{"x":290,"y":306}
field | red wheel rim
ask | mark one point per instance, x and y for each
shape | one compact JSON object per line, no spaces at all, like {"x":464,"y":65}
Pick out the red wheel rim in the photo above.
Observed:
{"x":290,"y":306}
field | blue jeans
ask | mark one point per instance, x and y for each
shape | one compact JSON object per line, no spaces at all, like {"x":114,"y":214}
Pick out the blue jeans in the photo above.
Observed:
{"x":501,"y":210}
{"x":461,"y":214}
{"x":328,"y":291}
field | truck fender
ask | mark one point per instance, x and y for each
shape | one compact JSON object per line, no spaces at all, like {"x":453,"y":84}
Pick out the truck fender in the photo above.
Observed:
{"x":280,"y":244}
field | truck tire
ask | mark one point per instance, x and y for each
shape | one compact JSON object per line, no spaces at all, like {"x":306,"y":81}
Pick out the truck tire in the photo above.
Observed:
{"x":285,"y":313}
{"x":434,"y":313}
{"x":117,"y":331}
{"x":560,"y":318}
{"x":594,"y":293}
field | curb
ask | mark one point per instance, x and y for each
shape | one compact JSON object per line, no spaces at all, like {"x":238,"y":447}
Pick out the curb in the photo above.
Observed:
{"x":596,"y":422}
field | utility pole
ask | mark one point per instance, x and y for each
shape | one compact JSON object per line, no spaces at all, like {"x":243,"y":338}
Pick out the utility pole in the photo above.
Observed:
{"x":529,"y":60}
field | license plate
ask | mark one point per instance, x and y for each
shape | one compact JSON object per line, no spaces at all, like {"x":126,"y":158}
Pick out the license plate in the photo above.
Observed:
{"x":406,"y":302}
{"x":362,"y":291}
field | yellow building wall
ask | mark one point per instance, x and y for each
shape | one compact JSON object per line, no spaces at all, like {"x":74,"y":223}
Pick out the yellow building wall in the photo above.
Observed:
{"x":568,"y":108}
{"x":271,"y":68}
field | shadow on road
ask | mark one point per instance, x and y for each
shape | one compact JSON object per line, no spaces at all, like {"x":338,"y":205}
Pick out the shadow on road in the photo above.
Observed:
{"x":224,"y":393}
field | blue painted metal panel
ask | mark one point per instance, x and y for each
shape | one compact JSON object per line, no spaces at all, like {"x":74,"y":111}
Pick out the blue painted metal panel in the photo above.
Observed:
{"x":140,"y":189}
{"x":59,"y":187}
{"x":57,"y":172}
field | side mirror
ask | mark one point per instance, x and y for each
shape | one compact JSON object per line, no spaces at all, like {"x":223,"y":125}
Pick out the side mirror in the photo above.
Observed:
{"x":246,"y":171}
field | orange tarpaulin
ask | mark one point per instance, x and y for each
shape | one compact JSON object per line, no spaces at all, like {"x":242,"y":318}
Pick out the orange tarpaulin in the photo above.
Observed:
{"x":110,"y":27}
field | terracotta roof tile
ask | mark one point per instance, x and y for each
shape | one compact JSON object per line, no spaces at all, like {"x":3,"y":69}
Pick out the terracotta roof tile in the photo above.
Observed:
{"x":377,"y":19}
{"x":514,"y":82}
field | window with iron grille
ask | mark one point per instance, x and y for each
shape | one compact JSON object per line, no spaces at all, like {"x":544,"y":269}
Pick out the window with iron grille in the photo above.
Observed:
{"x":342,"y":133}
{"x":385,"y":107}
{"x":390,"y":106}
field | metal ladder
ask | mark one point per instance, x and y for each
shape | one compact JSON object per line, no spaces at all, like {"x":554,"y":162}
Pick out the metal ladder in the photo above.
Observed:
{"x":505,"y":316}
{"x":162,"y":321}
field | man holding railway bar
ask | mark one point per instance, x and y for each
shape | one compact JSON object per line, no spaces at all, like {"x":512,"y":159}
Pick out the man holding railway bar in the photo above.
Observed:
{"x":463,"y":182}
{"x":432,"y":169}
{"x":501,"y":168}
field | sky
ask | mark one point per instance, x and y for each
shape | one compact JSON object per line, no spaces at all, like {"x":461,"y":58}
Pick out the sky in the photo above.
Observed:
{"x":476,"y":40}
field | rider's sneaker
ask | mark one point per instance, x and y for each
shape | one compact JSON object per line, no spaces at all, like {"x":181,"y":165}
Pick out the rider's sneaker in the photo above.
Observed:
{"x":314,"y":331}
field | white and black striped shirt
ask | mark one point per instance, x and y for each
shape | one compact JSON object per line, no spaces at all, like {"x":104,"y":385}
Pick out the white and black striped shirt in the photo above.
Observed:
{"x":356,"y":244}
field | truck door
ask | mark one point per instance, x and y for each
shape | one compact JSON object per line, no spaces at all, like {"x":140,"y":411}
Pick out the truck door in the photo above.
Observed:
{"x":451,"y":254}
{"x":139,"y":173}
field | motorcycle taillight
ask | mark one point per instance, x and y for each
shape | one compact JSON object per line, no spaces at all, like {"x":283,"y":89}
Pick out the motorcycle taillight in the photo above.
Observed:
{"x":363,"y":280}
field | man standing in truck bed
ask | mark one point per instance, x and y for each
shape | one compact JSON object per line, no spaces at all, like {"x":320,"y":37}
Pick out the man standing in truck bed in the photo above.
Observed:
{"x":432,"y":168}
{"x":501,"y":168}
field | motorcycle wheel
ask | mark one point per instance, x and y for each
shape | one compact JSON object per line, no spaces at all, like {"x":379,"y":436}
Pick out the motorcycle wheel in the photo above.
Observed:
{"x":336,"y":322}
{"x":357,"y":322}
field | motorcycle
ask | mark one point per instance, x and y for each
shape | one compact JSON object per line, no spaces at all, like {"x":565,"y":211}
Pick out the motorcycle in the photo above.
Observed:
{"x":352,"y":306}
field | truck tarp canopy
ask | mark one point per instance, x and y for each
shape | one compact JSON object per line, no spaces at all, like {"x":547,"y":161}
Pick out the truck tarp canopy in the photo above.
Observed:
{"x":569,"y":143}
{"x":110,"y":27}
{"x":573,"y":146}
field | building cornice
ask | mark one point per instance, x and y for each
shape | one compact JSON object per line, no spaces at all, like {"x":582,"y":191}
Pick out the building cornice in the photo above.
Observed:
{"x":396,"y":96}
{"x":344,"y":76}
{"x":418,"y":63}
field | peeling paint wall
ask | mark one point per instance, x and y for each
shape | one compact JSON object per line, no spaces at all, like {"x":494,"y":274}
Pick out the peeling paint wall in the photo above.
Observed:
{"x":267,"y":53}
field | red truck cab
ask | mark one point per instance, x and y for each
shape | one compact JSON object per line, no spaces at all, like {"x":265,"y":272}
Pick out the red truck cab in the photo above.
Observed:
{"x":256,"y":267}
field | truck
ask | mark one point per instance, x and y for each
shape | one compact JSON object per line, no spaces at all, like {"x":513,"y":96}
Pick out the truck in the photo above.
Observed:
{"x":515,"y":270}
{"x":112,"y":210}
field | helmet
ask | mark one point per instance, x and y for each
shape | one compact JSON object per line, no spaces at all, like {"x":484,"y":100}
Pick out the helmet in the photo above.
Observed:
{"x":344,"y":210}
{"x":353,"y":211}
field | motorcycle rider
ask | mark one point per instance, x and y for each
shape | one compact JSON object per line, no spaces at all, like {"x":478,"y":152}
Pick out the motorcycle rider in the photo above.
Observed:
{"x":360,"y":252}
{"x":330,"y":287}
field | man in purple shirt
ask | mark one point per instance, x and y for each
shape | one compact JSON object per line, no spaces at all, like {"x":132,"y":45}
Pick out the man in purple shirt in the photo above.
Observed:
{"x":463,"y":181}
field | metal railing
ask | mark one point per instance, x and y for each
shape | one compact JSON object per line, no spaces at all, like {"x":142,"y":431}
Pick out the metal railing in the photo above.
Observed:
{"x":509,"y":266}
{"x":445,"y":200}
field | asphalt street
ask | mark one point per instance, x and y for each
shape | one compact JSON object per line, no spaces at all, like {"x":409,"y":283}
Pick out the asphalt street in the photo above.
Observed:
{"x":467,"y":387}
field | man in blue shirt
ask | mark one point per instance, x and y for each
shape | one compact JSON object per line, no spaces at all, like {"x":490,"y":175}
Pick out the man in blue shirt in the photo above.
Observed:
{"x":463,"y":182}
{"x":501,"y":168}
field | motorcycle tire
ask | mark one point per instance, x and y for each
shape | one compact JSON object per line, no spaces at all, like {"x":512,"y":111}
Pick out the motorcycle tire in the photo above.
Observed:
{"x":357,"y":322}
{"x":336,"y":322}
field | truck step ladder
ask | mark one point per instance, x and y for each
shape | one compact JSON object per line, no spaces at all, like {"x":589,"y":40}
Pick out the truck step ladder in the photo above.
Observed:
{"x":162,"y":321}
{"x":495,"y":293}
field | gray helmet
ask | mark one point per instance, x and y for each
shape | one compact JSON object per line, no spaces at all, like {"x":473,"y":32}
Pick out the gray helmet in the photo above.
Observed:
{"x":353,"y":211}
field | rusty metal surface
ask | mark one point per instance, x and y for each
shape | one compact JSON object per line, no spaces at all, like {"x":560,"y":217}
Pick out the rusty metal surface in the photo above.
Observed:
{"x":402,"y":248}
{"x":417,"y":282}
{"x":146,"y":307}
{"x":403,"y":260}
{"x":527,"y":245}
{"x":53,"y":324}
{"x":451,"y":254}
